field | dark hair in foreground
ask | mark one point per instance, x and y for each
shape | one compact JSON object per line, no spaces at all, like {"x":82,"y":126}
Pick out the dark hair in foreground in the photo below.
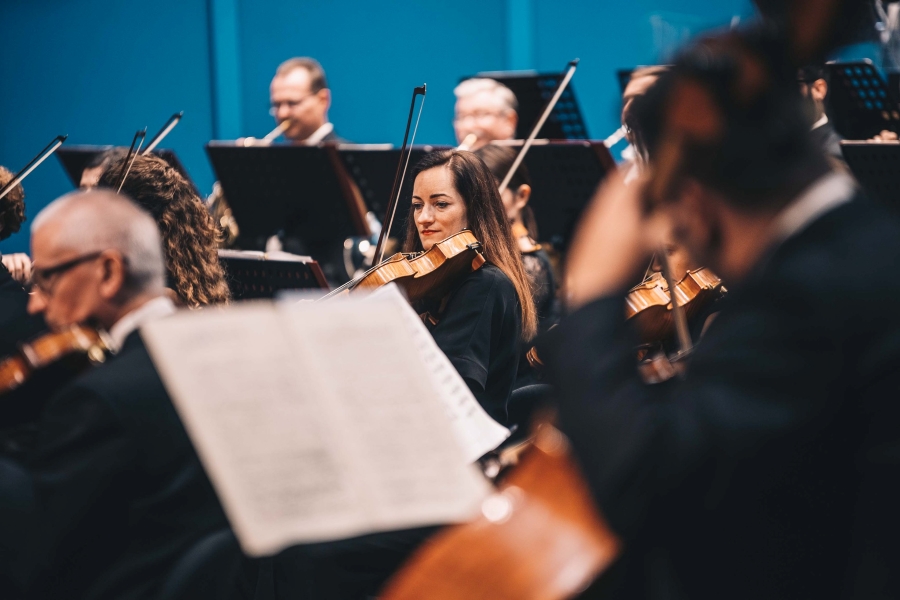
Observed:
{"x":762,"y":154}
{"x":189,"y":235}
{"x":12,"y":207}
{"x":486,"y":219}
{"x":500,"y":159}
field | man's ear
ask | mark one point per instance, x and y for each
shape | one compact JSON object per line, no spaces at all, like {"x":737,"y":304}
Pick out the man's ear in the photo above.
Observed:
{"x":818,"y":90}
{"x":325,"y":96}
{"x":523,"y":195}
{"x":114,"y":274}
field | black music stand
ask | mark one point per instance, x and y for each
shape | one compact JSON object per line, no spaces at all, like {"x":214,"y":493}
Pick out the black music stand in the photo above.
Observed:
{"x":876,"y":166}
{"x":298,"y":190}
{"x":860,"y":104}
{"x":372,"y":169}
{"x":533,"y":91}
{"x":253,"y":274}
{"x":564,"y":177}
{"x":75,"y":158}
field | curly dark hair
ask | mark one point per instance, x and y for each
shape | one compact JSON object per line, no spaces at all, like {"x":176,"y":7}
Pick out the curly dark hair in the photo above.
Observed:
{"x":190,"y":237}
{"x":12,"y":207}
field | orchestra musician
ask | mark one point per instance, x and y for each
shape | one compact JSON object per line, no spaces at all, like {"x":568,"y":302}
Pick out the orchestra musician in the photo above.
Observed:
{"x":299,"y":93}
{"x":486,"y":109}
{"x":113,"y":494}
{"x":813,"y":83}
{"x":15,"y":270}
{"x":769,"y":470}
{"x":190,"y":237}
{"x":499,"y":159}
{"x":480,"y":323}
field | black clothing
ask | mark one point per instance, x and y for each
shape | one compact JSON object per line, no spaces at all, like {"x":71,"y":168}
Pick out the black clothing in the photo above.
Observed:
{"x":826,"y":138}
{"x":543,"y":292}
{"x":16,"y":325}
{"x":119,"y":493}
{"x":770,"y":471}
{"x":479,"y":330}
{"x":333,"y":137}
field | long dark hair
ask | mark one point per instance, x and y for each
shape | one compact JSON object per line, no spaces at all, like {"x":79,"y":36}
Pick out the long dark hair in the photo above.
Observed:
{"x":190,"y":237}
{"x":500,"y":159}
{"x":487,"y":220}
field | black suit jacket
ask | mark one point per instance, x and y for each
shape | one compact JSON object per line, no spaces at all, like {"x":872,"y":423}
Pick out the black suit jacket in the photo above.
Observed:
{"x":119,"y":493}
{"x":16,"y":325}
{"x":770,"y":471}
{"x":826,"y":138}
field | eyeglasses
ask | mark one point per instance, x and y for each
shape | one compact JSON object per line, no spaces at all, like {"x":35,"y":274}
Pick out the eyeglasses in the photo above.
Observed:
{"x":291,"y":104}
{"x":42,"y":279}
{"x":480,"y":115}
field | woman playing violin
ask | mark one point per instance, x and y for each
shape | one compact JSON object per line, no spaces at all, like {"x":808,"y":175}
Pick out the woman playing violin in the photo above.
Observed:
{"x":480,"y":322}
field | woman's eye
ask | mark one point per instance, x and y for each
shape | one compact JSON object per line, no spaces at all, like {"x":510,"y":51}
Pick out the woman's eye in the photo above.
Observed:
{"x":442,"y":204}
{"x":417,"y":206}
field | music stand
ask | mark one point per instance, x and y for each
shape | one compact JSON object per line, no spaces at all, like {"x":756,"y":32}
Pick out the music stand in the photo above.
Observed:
{"x":372,"y":169}
{"x":298,"y":190}
{"x":75,"y":158}
{"x":533,"y":91}
{"x":252,"y":274}
{"x":860,"y":104}
{"x":876,"y":166}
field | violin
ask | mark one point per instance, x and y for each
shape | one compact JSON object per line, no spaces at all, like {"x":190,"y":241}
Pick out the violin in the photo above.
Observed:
{"x":427,"y":274}
{"x":76,"y":344}
{"x":649,"y":303}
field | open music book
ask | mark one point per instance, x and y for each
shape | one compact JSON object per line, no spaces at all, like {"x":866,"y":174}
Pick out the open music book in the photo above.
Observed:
{"x":322,"y":421}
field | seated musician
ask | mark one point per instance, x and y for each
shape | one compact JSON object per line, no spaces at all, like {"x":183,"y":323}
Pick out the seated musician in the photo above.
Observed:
{"x":117,"y":493}
{"x":537,"y":263}
{"x":481,"y":321}
{"x":15,"y":270}
{"x":299,"y":93}
{"x":486,"y":109}
{"x":190,"y":237}
{"x":769,"y":471}
{"x":813,"y":82}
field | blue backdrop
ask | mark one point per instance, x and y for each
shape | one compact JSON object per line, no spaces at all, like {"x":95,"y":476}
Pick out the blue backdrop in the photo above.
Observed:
{"x":98,"y":70}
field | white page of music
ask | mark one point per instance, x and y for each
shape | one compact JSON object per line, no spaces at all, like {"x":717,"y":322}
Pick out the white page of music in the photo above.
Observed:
{"x":316,"y":421}
{"x":476,"y":430}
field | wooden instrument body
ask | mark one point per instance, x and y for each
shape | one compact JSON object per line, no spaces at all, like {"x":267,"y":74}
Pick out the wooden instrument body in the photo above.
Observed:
{"x":51,"y":348}
{"x":650,"y":304}
{"x":428,"y":274}
{"x":540,"y":537}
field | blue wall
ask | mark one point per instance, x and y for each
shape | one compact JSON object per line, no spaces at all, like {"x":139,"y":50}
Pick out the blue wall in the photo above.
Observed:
{"x":98,"y":69}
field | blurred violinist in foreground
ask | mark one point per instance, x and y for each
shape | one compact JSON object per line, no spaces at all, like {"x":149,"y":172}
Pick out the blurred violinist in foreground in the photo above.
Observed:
{"x":768,"y":471}
{"x":113,"y":494}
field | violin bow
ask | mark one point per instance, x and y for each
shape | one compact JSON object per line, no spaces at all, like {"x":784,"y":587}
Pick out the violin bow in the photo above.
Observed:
{"x":560,"y":88}
{"x":400,"y":175}
{"x":162,"y":133}
{"x":685,"y":343}
{"x":138,"y":141}
{"x":33,"y":164}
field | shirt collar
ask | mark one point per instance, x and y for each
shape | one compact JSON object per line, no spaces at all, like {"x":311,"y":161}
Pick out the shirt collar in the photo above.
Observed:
{"x":319,"y":134}
{"x":820,"y":122}
{"x":823,"y":195}
{"x":151,"y":310}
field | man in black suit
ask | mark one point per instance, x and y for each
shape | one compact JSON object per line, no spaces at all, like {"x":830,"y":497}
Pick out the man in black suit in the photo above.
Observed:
{"x":300,"y":95}
{"x":116,"y":494}
{"x":770,"y":470}
{"x":813,"y":81}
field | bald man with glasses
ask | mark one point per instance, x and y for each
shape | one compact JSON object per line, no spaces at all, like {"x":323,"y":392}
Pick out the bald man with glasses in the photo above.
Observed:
{"x":113,"y":495}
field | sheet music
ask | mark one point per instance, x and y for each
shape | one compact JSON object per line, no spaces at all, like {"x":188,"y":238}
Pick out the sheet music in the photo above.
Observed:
{"x":314,"y":421}
{"x":476,"y":431}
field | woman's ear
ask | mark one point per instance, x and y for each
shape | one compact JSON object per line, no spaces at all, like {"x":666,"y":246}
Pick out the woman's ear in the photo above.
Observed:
{"x":523,"y":195}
